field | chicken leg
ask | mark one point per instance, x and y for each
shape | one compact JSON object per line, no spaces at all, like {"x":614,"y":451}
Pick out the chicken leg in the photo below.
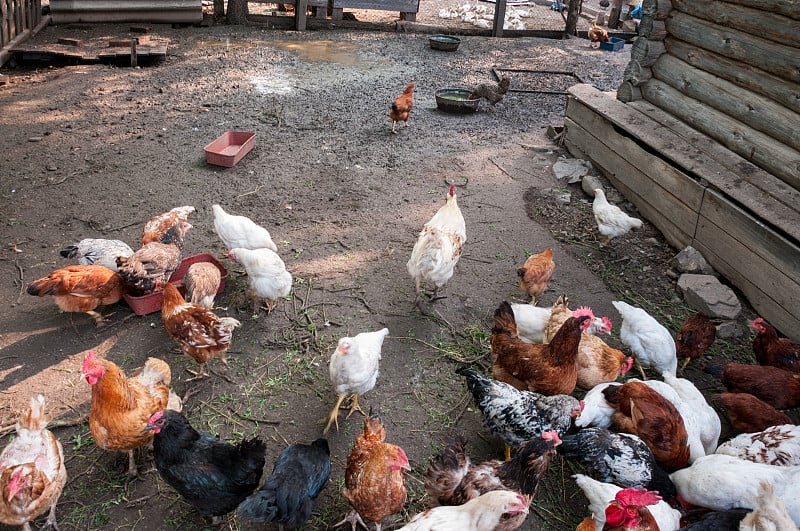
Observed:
{"x":354,"y":518}
{"x":198,"y":375}
{"x":685,"y":363}
{"x":133,"y":471}
{"x":641,"y":370}
{"x":355,"y":407}
{"x":334,"y":416}
{"x":98,"y":319}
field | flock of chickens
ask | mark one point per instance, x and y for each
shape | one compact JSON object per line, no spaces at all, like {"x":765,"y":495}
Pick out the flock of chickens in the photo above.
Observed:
{"x":649,"y":447}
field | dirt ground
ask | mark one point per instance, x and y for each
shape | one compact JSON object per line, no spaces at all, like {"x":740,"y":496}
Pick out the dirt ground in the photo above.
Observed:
{"x":95,"y":150}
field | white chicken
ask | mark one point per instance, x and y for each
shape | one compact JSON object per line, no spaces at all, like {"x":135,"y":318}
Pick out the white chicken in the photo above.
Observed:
{"x":32,"y":471}
{"x":722,"y":482}
{"x":240,"y":232}
{"x":97,"y":251}
{"x":483,"y":513}
{"x":600,"y":494}
{"x":269,"y":279}
{"x":776,"y":445}
{"x":612,"y":222}
{"x":769,"y":513}
{"x":438,"y":248}
{"x":651,"y":343}
{"x":354,"y":370}
{"x":531,"y":321}
{"x":596,"y":410}
{"x":696,"y":411}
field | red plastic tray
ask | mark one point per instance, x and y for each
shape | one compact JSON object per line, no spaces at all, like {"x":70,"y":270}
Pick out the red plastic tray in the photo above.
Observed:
{"x":151,"y":302}
{"x":229,"y":148}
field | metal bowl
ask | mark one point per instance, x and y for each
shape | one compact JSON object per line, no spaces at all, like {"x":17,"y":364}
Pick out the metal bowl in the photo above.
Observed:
{"x":456,"y":100}
{"x":447,"y":43}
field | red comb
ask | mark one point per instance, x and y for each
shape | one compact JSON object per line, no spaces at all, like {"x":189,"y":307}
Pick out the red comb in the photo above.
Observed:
{"x":584,"y":310}
{"x":626,"y":365}
{"x":637,"y":497}
{"x":607,"y":324}
{"x":452,"y":189}
{"x":155,"y":417}
{"x":551,"y":435}
{"x":89,"y":360}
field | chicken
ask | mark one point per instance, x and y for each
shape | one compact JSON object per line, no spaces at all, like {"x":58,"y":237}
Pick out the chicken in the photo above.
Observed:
{"x":651,"y":343}
{"x":773,"y":350}
{"x":374,"y":483}
{"x":721,"y":482}
{"x":401,"y":107}
{"x":777,"y":387}
{"x":597,"y":362}
{"x":202,"y":282}
{"x":549,"y":369}
{"x":269,"y":279}
{"x":718,"y":521}
{"x":93,"y":251}
{"x":695,"y":335}
{"x":493,"y":92}
{"x":596,"y":410}
{"x":700,"y":418}
{"x":516,"y":416}
{"x":353,"y":369}
{"x":601,"y":495}
{"x":776,"y":445}
{"x":154,"y":262}
{"x":491,"y":511}
{"x":199,"y":332}
{"x":120,"y":405}
{"x":748,"y":414}
{"x":156,"y":227}
{"x":597,"y":34}
{"x":438,"y":247}
{"x":628,"y":511}
{"x":612,"y":222}
{"x":531,"y":321}
{"x":81,"y":288}
{"x":213,"y":475}
{"x":619,"y":458}
{"x":452,"y":479}
{"x":644,"y":412}
{"x":32,"y":471}
{"x":769,"y":512}
{"x":535,"y":273}
{"x":288,"y":495}
{"x":240,"y":232}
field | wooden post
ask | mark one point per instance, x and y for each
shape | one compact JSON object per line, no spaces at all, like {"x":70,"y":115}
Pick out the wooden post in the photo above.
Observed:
{"x":300,"y":8}
{"x":237,"y":12}
{"x":614,"y":14}
{"x":134,"y":60}
{"x":499,"y":18}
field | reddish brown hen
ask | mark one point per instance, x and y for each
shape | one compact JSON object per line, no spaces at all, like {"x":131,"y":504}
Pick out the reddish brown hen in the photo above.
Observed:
{"x":550,"y":369}
{"x":154,"y":262}
{"x":748,"y":414}
{"x":401,"y":107}
{"x":155,"y":229}
{"x":642,"y":411}
{"x":773,"y":350}
{"x":777,"y":387}
{"x":81,"y":288}
{"x":535,"y":273}
{"x":374,"y":483}
{"x":696,"y":334}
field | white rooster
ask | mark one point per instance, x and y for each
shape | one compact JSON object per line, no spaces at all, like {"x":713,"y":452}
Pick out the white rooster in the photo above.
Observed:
{"x":483,"y":513}
{"x":612,"y":222}
{"x":269,"y":279}
{"x":651,"y":343}
{"x":241,"y":232}
{"x":354,"y":369}
{"x":438,"y":247}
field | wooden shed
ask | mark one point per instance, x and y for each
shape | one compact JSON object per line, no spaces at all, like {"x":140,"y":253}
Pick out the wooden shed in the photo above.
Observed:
{"x":703,"y":136}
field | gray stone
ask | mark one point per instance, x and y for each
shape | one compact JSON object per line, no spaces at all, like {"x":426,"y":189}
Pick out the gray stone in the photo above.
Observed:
{"x":690,"y":260}
{"x":571,"y":169}
{"x":589,"y":184}
{"x":730,"y":330}
{"x":707,"y":295}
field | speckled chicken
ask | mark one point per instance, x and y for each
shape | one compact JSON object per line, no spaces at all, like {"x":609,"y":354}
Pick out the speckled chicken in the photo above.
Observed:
{"x":157,"y":226}
{"x":493,"y":92}
{"x":155,"y":261}
{"x":97,"y":251}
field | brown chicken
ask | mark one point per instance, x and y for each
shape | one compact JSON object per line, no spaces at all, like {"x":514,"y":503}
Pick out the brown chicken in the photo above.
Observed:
{"x":81,"y":288}
{"x":628,"y":511}
{"x":597,"y":34}
{"x":155,"y":229}
{"x":199,"y":332}
{"x":696,"y":334}
{"x":401,"y":107}
{"x":202,"y":281}
{"x":121,"y":405}
{"x":535,"y":273}
{"x":374,"y":483}
{"x":32,"y":472}
{"x":644,"y":412}
{"x":597,"y":362}
{"x":493,"y":92}
{"x":452,"y":479}
{"x":773,"y":350}
{"x":155,"y":261}
{"x":748,"y":414}
{"x":550,"y":369}
{"x":777,"y":387}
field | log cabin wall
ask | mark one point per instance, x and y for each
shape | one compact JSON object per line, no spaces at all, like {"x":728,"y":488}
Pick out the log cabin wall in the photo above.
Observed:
{"x":704,"y":137}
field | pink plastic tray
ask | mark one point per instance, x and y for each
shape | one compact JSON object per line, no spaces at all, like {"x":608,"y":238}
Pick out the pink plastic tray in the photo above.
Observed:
{"x":230,"y":148}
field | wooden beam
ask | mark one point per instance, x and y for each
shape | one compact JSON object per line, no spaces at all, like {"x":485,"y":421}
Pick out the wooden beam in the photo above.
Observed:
{"x":300,"y":8}
{"x":499,"y":18}
{"x":646,"y":52}
{"x":614,"y":14}
{"x":761,"y":53}
{"x":788,"y":8}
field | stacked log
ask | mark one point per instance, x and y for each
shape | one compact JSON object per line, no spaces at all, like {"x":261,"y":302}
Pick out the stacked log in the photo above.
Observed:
{"x":647,"y":48}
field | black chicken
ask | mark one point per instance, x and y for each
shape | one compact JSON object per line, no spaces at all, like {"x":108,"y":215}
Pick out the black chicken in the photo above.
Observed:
{"x":214,"y":476}
{"x":287,"y":497}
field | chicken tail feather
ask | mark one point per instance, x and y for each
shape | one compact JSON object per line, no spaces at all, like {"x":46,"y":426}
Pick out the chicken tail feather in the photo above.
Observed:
{"x":69,"y":252}
{"x":504,"y":322}
{"x":34,"y":419}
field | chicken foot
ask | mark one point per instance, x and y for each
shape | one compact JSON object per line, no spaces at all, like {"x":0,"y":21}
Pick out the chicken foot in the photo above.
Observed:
{"x":685,"y":363}
{"x":354,"y":518}
{"x":198,"y":375}
{"x":355,"y":407}
{"x":334,"y":416}
{"x":51,"y":519}
{"x":641,"y":370}
{"x":98,"y":319}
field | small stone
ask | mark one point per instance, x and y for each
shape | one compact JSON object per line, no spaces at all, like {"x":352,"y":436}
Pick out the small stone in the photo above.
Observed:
{"x":35,"y":139}
{"x":50,"y":167}
{"x":730,"y":330}
{"x":671,"y":273}
{"x":707,"y":295}
{"x":571,"y":169}
{"x":589,"y":184}
{"x":690,"y":260}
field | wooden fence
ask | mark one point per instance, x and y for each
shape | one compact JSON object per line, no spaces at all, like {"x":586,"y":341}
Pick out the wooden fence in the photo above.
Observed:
{"x":18,"y":18}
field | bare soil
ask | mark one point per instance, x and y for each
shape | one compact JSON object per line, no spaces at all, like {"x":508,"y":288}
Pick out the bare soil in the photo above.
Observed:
{"x":95,"y":150}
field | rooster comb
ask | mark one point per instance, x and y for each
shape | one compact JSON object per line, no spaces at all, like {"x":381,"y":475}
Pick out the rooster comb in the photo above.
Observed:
{"x":89,"y":360}
{"x":637,"y":497}
{"x":607,"y":324}
{"x":583,"y":310}
{"x":155,"y":417}
{"x":452,"y":190}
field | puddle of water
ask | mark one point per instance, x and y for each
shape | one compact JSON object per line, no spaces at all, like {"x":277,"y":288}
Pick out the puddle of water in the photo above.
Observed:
{"x":273,"y":83}
{"x":228,"y":44}
{"x":323,"y":51}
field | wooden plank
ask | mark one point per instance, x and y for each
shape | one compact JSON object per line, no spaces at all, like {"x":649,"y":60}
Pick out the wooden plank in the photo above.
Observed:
{"x":762,"y":53}
{"x":499,"y":18}
{"x":300,"y":15}
{"x":758,"y":112}
{"x":788,"y":8}
{"x":389,"y":5}
{"x":763,"y":150}
{"x":743,"y":75}
{"x":5,"y":33}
